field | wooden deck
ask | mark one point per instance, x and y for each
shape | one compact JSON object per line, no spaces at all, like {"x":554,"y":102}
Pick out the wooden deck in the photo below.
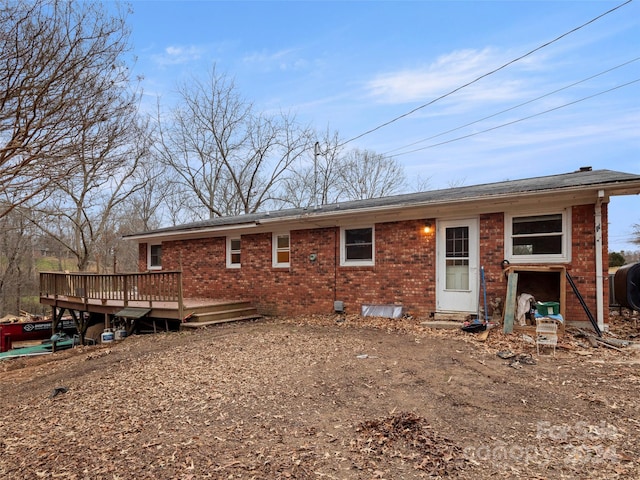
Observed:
{"x":159,"y":292}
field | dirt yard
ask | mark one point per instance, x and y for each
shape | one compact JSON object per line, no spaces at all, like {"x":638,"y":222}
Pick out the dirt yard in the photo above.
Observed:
{"x":319,"y":398}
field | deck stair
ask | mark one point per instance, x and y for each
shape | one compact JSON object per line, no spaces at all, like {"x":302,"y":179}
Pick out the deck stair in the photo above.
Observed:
{"x":232,"y":311}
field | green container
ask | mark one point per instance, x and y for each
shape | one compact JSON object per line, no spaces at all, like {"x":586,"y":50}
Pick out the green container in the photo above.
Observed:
{"x":548,"y":308}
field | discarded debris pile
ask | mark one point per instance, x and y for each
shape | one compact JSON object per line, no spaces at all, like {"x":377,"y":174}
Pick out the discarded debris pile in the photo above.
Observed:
{"x":408,"y":438}
{"x":620,"y":339}
{"x":22,"y":318}
{"x":516,"y":360}
{"x":604,"y":341}
{"x":625,"y":323}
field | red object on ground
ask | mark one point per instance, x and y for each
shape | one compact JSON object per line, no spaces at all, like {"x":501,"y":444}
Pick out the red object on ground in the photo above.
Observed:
{"x":32,"y":330}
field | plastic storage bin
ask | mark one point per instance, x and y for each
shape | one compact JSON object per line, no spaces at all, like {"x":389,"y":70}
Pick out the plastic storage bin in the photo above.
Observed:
{"x":548,"y":308}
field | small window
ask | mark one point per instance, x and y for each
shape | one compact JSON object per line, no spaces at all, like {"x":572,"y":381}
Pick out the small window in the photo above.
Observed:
{"x":233,"y":252}
{"x":538,"y":238}
{"x":281,"y":250}
{"x":155,"y":257}
{"x":357,"y":246}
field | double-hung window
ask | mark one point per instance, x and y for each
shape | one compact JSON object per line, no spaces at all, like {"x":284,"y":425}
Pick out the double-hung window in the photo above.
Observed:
{"x":541,"y":238}
{"x":154,"y":260}
{"x":233,"y":252}
{"x":281,"y":250}
{"x":357,"y":246}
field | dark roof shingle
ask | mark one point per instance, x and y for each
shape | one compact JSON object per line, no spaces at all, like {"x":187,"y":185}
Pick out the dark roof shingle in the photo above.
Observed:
{"x":582,"y":178}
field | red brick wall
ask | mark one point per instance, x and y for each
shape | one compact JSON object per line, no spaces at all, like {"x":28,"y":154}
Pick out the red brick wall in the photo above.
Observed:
{"x":142,"y":257}
{"x":491,"y":257}
{"x":583,"y":262}
{"x":582,"y":267}
{"x":404,"y":271}
{"x":401,"y":276}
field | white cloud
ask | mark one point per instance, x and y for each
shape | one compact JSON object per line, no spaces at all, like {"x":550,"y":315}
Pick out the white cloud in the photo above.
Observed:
{"x":176,"y":55}
{"x":447,"y":73}
{"x":282,"y":60}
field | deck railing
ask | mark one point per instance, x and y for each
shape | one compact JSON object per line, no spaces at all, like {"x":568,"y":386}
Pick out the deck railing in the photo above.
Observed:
{"x":165,"y":286}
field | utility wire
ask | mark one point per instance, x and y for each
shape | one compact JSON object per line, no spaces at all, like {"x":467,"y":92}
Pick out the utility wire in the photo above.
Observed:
{"x":514,"y":107}
{"x":518,"y":120}
{"x":477,"y":79}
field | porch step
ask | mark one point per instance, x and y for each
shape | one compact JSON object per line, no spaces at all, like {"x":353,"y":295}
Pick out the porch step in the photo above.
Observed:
{"x":219,"y":307}
{"x":202,"y":324}
{"x":222,"y":313}
{"x":233,"y":311}
{"x":453,"y":316}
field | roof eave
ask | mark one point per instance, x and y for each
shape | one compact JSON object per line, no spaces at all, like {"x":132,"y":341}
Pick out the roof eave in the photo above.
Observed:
{"x":317,"y":218}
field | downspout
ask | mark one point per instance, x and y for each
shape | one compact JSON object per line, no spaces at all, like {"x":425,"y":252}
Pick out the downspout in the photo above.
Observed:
{"x":599,"y":269}
{"x":336,"y":232}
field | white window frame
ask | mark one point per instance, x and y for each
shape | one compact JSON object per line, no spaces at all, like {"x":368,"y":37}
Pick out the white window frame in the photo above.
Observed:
{"x":230,"y":252}
{"x":563,"y":257}
{"x":343,"y":248}
{"x":276,"y":249}
{"x":149,"y":247}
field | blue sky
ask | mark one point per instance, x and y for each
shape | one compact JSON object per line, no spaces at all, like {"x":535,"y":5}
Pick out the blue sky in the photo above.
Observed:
{"x":354,"y":65}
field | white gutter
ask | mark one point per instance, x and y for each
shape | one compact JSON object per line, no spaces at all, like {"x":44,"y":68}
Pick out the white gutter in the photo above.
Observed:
{"x":599,"y":269}
{"x":190,"y":233}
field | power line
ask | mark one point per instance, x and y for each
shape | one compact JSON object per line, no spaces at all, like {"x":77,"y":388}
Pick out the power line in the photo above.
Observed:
{"x":477,"y":79}
{"x":514,"y":107}
{"x":518,"y":120}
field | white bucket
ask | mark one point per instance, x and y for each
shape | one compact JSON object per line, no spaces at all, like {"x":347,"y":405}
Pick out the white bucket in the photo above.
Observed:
{"x":107,"y":336}
{"x":120,"y":334}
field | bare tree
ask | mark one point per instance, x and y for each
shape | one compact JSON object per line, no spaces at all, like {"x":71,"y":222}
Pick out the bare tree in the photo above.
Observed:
{"x":419,"y":183}
{"x":227,"y":159}
{"x":56,"y":57}
{"x":316,"y":179}
{"x":298,"y":188}
{"x":366,"y":174}
{"x":145,"y":204}
{"x":457,"y":183}
{"x":80,"y":211}
{"x":142,"y":211}
{"x":329,"y":187}
{"x":17,"y":266}
{"x":332,"y":176}
{"x":636,"y":234}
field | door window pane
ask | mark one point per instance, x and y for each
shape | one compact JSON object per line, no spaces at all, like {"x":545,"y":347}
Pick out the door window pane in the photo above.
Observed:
{"x":457,"y":258}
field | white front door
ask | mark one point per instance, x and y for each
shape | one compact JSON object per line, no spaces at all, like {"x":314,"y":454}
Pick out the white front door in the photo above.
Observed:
{"x":457,"y":245}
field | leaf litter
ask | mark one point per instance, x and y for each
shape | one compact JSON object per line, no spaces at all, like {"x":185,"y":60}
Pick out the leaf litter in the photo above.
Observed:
{"x":290,"y":398}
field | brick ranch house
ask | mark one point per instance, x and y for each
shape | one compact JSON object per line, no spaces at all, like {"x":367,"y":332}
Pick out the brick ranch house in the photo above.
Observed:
{"x":422,"y":251}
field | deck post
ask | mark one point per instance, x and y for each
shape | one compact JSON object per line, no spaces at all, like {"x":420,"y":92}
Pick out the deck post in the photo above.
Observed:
{"x":85,"y":289}
{"x":126,"y":290}
{"x":180,"y":298}
{"x":54,"y":321}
